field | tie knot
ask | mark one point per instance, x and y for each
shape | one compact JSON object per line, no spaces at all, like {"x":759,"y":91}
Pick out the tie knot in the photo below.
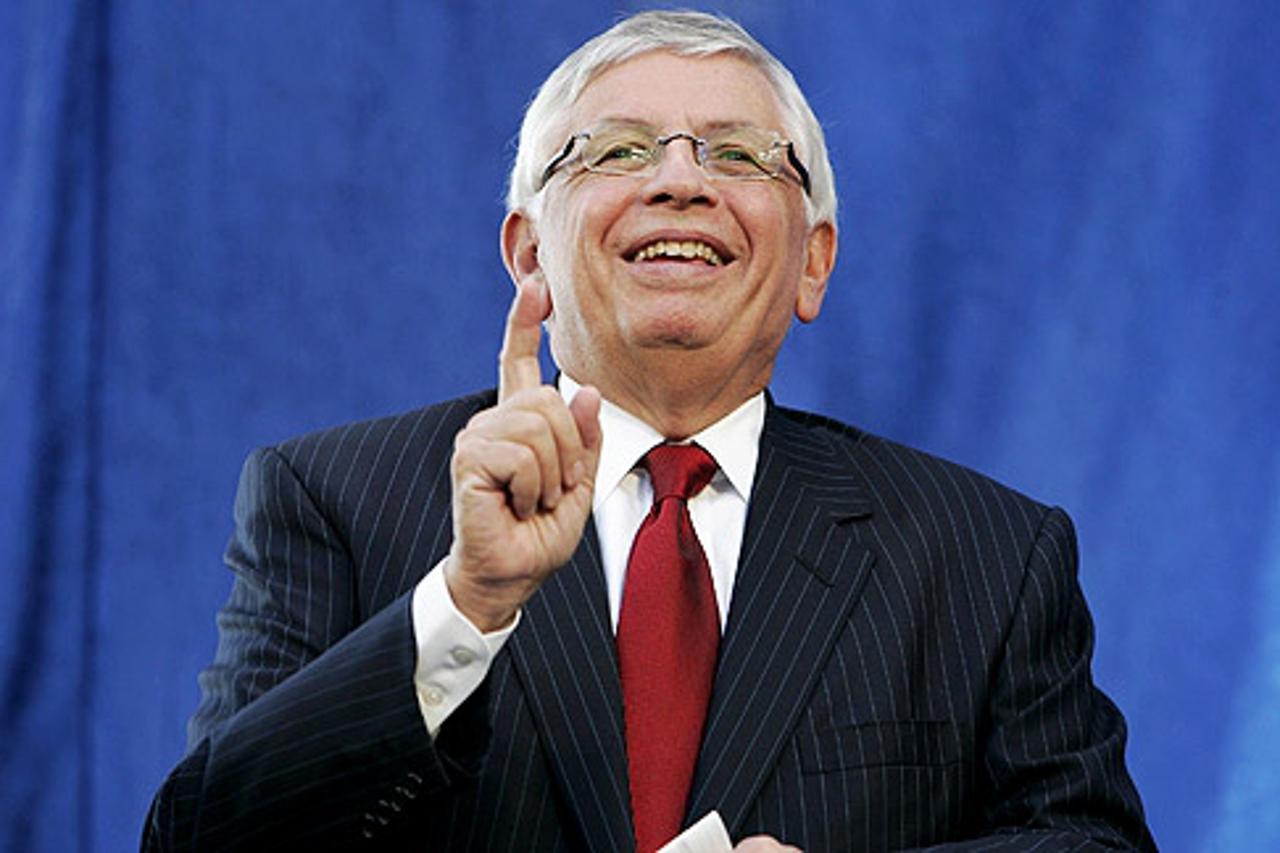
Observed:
{"x":678,"y":470}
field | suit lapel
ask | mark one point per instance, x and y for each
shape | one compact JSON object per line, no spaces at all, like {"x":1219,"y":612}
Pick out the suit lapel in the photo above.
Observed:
{"x":564,"y":654}
{"x":799,"y":574}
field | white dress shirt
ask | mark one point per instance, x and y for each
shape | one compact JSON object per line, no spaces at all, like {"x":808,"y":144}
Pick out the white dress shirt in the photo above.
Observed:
{"x":454,"y":656}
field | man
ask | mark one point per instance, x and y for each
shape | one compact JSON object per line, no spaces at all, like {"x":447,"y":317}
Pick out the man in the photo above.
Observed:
{"x":583,"y":617}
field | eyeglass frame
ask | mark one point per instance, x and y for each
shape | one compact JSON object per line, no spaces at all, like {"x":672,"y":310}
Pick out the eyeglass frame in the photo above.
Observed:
{"x":661,"y":142}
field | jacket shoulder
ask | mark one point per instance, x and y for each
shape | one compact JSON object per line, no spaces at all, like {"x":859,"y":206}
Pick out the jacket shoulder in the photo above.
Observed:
{"x":898,"y":475}
{"x":425,"y":429}
{"x":357,"y":467}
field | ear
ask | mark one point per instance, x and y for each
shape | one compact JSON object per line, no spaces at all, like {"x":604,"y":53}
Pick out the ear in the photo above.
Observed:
{"x":820,"y":258}
{"x":520,"y":247}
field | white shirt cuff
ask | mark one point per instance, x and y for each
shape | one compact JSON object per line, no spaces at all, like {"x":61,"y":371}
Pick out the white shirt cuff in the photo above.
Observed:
{"x":453,"y":655}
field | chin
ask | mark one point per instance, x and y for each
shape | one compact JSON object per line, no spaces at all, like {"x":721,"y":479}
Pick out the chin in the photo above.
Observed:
{"x":668,"y":334}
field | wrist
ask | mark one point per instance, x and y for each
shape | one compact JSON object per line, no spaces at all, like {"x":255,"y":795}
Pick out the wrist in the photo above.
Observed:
{"x":488,"y":605}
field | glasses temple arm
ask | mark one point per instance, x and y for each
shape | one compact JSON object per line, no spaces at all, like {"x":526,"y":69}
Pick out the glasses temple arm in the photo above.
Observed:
{"x":557,"y":160}
{"x":798,"y":166}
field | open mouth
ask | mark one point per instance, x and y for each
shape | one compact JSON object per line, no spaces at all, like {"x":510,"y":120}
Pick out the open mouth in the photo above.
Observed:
{"x":691,"y":251}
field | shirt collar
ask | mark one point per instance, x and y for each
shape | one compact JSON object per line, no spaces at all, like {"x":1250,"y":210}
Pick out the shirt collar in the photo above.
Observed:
{"x":733,"y":441}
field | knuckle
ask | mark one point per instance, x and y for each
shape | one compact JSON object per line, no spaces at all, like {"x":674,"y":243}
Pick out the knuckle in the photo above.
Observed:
{"x":478,"y":420}
{"x":528,"y":397}
{"x":467,"y":452}
{"x":540,"y":430}
{"x":525,"y":457}
{"x":462,"y":443}
{"x":524,"y":426}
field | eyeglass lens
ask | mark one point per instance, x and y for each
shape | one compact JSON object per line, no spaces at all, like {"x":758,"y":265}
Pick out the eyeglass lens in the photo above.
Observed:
{"x":734,"y":152}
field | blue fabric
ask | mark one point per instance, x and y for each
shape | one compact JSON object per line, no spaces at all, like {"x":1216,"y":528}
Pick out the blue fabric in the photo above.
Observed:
{"x":222,"y":224}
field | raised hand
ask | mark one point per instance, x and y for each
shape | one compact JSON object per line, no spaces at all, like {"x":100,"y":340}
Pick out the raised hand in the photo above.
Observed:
{"x":763,"y":844}
{"x":523,"y":475}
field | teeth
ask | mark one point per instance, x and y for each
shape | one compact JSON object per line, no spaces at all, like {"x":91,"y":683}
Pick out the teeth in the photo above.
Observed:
{"x":688,"y":249}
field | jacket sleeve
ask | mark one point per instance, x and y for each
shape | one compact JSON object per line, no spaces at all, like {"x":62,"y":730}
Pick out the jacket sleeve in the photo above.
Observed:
{"x":309,"y":732}
{"x":1053,"y":757}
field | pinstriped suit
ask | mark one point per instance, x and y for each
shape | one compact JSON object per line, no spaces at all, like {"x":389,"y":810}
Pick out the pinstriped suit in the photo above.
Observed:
{"x":906,"y":662}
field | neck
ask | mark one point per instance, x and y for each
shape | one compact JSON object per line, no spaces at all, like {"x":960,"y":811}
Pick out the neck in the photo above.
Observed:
{"x":676,"y":399}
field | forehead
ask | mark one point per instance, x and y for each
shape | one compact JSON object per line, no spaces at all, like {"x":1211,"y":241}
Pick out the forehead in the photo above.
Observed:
{"x":673,"y":92}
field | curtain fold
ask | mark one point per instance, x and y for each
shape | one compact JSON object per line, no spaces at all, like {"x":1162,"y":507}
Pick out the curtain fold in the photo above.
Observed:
{"x":225,"y":224}
{"x":50,"y":375}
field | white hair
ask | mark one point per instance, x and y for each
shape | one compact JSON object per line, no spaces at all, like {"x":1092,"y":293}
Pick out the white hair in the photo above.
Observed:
{"x":684,"y":34}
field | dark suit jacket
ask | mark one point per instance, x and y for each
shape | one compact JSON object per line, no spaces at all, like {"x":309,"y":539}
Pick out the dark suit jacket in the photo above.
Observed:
{"x":906,"y":662}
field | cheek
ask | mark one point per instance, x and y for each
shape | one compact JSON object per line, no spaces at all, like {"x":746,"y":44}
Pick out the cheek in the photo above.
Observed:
{"x":772,"y":223}
{"x":578,"y":235}
{"x":794,"y":225}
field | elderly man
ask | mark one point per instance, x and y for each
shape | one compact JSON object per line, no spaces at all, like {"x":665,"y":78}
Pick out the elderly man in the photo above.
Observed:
{"x":583,"y":617}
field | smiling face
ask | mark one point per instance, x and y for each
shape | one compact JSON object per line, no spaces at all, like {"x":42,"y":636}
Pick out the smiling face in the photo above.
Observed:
{"x":672,"y":291}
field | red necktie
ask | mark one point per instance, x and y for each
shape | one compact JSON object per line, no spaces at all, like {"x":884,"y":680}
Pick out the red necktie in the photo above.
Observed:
{"x":668,"y":638}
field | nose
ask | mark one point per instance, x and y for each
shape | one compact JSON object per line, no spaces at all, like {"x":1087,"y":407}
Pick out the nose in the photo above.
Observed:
{"x":678,"y":179}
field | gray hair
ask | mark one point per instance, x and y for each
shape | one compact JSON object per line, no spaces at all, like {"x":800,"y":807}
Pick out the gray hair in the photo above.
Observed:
{"x":684,"y":34}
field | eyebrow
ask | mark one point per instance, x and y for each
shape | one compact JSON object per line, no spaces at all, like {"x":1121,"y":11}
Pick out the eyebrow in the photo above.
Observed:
{"x":705,"y":127}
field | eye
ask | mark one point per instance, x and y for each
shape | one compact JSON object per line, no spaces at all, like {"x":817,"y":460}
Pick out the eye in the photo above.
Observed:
{"x":621,"y":152}
{"x":735,"y":159}
{"x":733,"y":153}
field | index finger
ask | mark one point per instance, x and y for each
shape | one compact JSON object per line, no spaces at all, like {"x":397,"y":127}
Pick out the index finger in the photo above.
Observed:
{"x":518,"y":368}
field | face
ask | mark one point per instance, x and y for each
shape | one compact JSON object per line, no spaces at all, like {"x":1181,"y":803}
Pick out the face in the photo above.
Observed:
{"x":626,"y":315}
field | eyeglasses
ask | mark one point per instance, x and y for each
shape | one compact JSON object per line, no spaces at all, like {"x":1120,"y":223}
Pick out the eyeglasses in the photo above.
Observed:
{"x":737,"y":152}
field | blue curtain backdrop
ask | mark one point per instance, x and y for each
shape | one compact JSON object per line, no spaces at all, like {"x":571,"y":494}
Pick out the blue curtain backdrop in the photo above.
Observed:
{"x":223,"y":224}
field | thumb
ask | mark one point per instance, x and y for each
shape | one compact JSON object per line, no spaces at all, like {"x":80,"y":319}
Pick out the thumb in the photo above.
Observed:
{"x":585,"y":408}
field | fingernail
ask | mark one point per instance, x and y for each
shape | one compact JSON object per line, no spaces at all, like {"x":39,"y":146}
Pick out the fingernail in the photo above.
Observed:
{"x":576,"y":473}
